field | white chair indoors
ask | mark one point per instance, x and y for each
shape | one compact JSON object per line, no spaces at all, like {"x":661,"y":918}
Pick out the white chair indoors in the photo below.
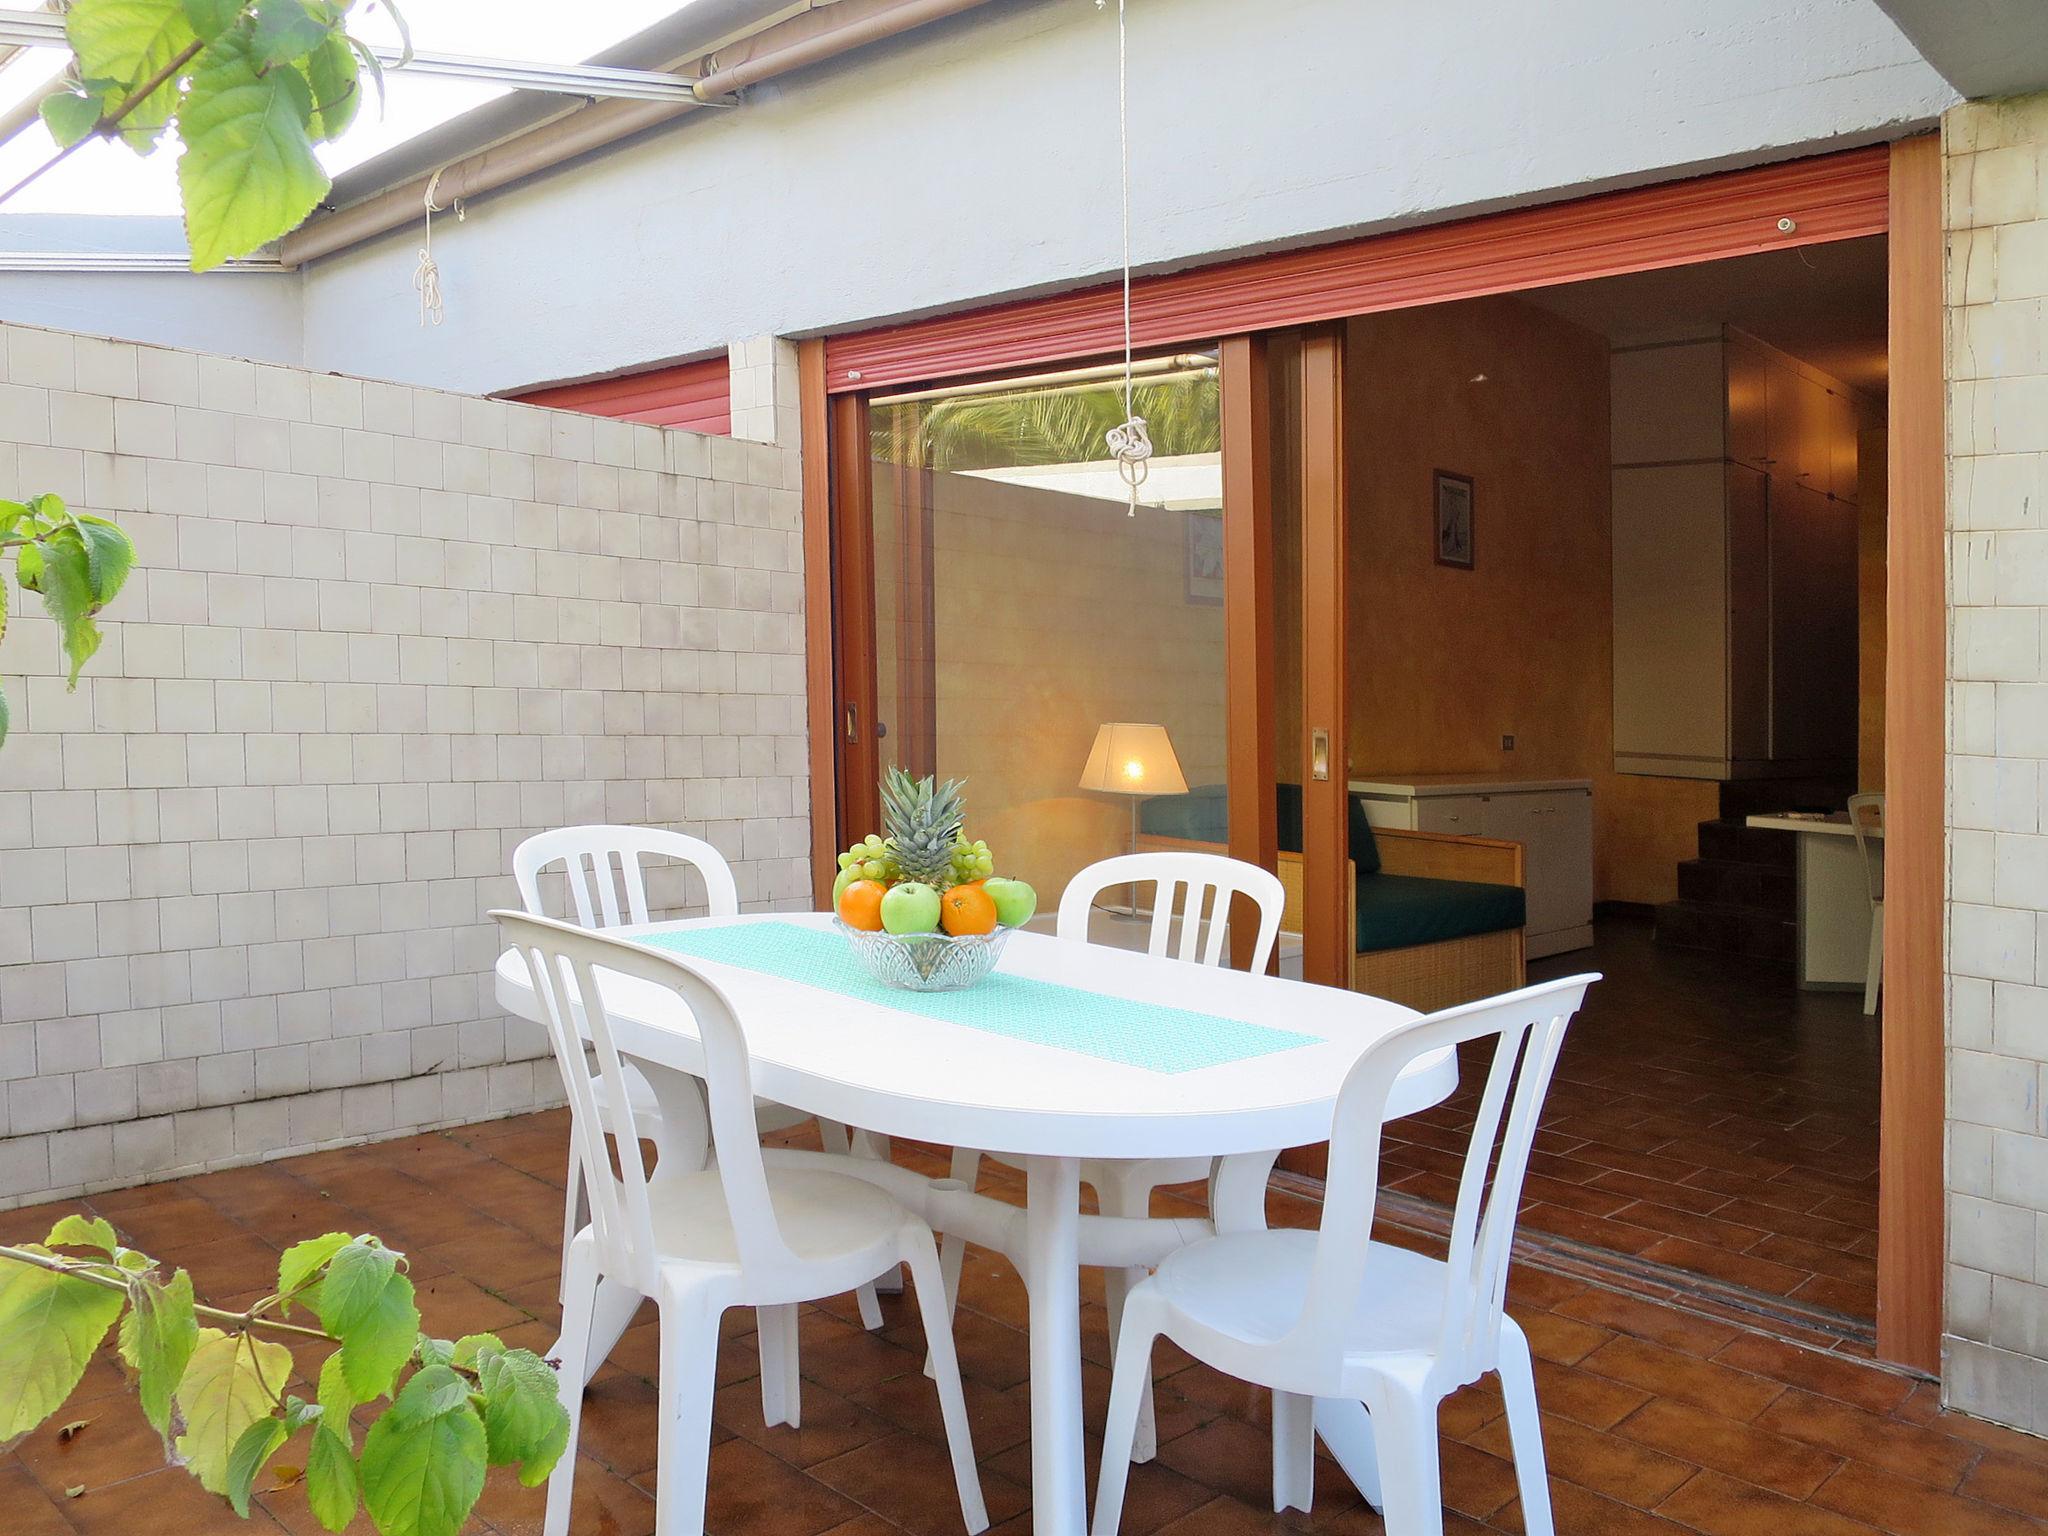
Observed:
{"x":601,"y":865}
{"x":1332,"y":1314}
{"x":1195,"y":891}
{"x":1866,"y":820}
{"x":699,"y":1240}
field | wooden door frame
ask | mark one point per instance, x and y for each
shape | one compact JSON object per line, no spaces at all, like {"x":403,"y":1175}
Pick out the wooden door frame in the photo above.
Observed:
{"x":1251,"y":776}
{"x":1913,"y":1126}
{"x":1327,"y":945}
{"x":821,"y":627}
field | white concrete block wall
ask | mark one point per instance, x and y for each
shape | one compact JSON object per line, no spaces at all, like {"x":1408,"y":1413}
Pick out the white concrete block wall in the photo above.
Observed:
{"x":1995,"y":1353}
{"x":375,"y":636}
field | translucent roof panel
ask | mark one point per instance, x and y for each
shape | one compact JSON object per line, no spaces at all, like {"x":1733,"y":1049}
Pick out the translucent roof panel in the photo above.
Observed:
{"x":108,"y":178}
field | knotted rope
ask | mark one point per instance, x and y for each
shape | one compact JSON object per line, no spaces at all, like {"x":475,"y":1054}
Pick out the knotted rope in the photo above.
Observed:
{"x":1129,"y":444}
{"x":426,"y":276}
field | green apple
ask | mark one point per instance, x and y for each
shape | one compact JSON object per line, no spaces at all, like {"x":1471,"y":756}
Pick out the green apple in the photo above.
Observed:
{"x":911,"y":907}
{"x":1015,"y":901}
{"x":845,"y":878}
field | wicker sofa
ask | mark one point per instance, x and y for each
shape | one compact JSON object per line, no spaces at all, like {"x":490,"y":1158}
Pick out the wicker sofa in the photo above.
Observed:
{"x":1439,"y":919}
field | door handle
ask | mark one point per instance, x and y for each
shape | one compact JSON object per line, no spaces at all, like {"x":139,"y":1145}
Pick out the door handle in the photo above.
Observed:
{"x":1319,"y":754}
{"x":853,"y":722}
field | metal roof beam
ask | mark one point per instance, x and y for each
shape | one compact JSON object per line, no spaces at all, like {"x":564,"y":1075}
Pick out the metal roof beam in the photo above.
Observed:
{"x":40,"y":29}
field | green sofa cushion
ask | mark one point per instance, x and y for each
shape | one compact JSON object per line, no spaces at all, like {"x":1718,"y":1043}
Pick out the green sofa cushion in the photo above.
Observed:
{"x":1202,"y":815}
{"x":1397,"y":911}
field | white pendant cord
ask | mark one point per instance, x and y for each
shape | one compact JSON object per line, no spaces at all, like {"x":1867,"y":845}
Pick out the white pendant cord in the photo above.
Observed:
{"x":426,"y":276}
{"x":1129,"y":444}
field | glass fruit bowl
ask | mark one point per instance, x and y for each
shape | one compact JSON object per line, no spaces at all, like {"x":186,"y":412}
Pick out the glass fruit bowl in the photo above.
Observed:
{"x":925,"y":962}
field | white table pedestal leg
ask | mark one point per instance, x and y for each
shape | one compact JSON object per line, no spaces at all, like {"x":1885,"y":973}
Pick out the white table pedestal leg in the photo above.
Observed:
{"x":1346,"y":1429}
{"x":1059,"y":1502}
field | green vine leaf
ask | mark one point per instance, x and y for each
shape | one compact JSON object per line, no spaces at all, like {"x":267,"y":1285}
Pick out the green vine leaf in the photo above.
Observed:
{"x":432,"y":1391}
{"x":422,"y":1479}
{"x":248,"y":173}
{"x":524,"y":1419}
{"x":335,"y":79}
{"x":287,"y":30}
{"x":471,"y":1349}
{"x":209,"y":18}
{"x":3,"y":719}
{"x":129,"y":42}
{"x":50,"y":1325}
{"x":368,"y":1305}
{"x":231,"y":1383}
{"x":337,"y":1402}
{"x":258,"y":1443}
{"x":298,"y":1271}
{"x":84,"y":1232}
{"x":70,"y":116}
{"x":331,"y":1480}
{"x":109,"y":555}
{"x":165,"y":1334}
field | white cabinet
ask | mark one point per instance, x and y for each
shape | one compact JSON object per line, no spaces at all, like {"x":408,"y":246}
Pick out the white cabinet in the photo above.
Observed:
{"x":1734,"y":561}
{"x":1551,"y":818}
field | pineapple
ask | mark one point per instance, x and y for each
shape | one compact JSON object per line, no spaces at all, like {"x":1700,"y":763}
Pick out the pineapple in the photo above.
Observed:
{"x":921,"y":821}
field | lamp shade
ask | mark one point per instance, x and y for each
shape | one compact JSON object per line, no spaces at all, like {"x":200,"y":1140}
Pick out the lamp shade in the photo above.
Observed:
{"x":1132,"y":759}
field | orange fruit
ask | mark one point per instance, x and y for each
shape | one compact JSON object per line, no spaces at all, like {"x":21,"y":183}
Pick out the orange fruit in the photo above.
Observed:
{"x":967,"y":909}
{"x":860,"y":905}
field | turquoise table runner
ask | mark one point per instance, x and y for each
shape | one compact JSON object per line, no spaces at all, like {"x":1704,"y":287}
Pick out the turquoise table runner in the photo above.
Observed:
{"x":1119,"y":1029}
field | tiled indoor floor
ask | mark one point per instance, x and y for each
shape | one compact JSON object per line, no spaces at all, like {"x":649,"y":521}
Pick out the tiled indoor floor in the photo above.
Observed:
{"x":1706,"y":1115}
{"x":1657,"y":1420}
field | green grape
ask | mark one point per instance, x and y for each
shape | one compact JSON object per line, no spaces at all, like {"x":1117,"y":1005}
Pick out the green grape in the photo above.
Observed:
{"x":875,"y":869}
{"x":872,"y":841}
{"x":846,"y":861}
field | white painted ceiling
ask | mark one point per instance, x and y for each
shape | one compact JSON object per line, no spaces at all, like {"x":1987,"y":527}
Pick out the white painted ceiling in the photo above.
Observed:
{"x":1824,"y":304}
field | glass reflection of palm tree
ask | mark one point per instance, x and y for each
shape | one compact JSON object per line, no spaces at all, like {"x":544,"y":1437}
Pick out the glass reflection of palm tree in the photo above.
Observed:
{"x":1060,"y":425}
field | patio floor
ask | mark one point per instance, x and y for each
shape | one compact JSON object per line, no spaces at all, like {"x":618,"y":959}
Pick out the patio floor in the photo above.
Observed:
{"x":1657,"y":1420}
{"x":1707,"y":1116}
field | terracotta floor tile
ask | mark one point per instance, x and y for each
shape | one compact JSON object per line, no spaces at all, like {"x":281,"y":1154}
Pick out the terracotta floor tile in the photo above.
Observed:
{"x":2009,"y":1482}
{"x":1722,"y":1506}
{"x":1668,"y":1326}
{"x":603,"y":1502}
{"x":1828,"y":1375}
{"x":1906,"y":1508}
{"x":1740,"y":1450}
{"x":1635,"y":1394}
{"x":165,"y":1502}
{"x":1684,"y":1378}
{"x":750,"y":1490}
{"x":909,"y":1481}
{"x":1606,"y":1462}
{"x":1921,"y":1455}
{"x":1720,"y":1264}
{"x":31,"y":1511}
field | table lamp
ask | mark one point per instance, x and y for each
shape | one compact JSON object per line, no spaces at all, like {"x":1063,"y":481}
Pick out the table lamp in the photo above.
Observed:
{"x":1133,"y":760}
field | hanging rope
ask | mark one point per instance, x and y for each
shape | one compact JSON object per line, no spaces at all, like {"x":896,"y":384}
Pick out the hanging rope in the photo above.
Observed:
{"x":426,"y":276}
{"x":1129,"y":444}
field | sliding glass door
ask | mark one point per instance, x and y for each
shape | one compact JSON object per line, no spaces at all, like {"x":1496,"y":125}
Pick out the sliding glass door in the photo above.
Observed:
{"x":1037,"y":629}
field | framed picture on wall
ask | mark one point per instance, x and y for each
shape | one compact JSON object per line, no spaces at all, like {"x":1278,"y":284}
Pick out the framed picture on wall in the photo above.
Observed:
{"x":1453,"y":519}
{"x":1204,"y":542}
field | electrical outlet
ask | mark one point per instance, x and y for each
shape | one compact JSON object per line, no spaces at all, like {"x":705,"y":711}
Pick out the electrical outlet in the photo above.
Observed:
{"x":1507,"y":743}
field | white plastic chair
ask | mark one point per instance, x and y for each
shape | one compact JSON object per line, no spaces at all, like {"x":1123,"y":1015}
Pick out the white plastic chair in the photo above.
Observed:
{"x":605,"y":871}
{"x":1193,"y":890}
{"x":697,"y":1241}
{"x":1866,"y":819}
{"x":1332,"y":1314}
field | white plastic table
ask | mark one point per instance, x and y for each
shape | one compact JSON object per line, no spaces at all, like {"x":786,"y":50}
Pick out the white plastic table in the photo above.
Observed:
{"x":898,"y":1073}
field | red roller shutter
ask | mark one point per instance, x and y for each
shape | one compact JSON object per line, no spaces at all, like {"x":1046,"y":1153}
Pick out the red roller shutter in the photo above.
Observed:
{"x":694,"y":396}
{"x":1734,"y":213}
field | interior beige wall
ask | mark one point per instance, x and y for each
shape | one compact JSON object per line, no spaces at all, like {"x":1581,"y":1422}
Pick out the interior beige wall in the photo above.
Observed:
{"x":1444,"y":662}
{"x":1056,"y":613}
